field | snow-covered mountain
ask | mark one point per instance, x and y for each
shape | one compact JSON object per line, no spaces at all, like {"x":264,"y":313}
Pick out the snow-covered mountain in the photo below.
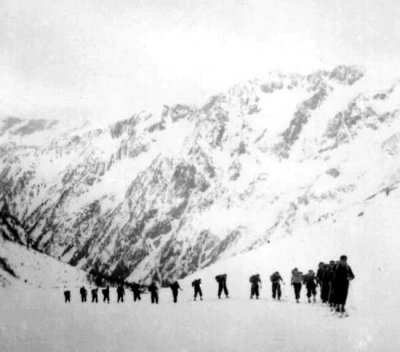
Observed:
{"x":20,"y":267}
{"x":163,"y":195}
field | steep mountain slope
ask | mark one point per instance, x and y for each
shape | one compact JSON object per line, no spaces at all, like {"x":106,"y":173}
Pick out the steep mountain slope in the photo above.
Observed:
{"x":367,"y":232}
{"x":162,"y":196}
{"x":20,"y":267}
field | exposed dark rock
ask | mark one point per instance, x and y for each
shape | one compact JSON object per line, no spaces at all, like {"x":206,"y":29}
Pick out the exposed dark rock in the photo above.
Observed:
{"x":333,"y":172}
{"x":161,"y":228}
{"x":31,"y":127}
{"x":8,"y":123}
{"x":6,"y":267}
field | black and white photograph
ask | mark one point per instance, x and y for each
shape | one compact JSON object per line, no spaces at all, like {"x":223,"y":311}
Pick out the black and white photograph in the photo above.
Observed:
{"x":199,"y":175}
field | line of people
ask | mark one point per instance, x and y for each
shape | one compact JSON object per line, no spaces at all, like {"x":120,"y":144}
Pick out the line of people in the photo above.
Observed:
{"x":138,"y":289}
{"x":333,"y":279}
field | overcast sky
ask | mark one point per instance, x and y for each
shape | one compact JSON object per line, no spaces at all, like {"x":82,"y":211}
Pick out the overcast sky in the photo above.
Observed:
{"x":107,"y":59}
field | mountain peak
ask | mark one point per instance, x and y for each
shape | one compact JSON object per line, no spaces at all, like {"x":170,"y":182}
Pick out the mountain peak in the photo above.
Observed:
{"x":161,"y":195}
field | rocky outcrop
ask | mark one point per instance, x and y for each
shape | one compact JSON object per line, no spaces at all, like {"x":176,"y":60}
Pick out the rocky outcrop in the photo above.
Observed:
{"x":160,"y":196}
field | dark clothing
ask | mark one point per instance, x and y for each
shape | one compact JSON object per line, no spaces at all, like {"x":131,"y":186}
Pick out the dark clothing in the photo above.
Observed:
{"x":276,"y":285}
{"x":276,"y":290}
{"x":106,"y":294}
{"x":276,"y":278}
{"x":67,"y":296}
{"x":120,"y":294}
{"x":325,"y":284}
{"x":136,"y":292}
{"x":255,"y":290}
{"x":297,"y":280}
{"x":197,"y":291}
{"x":325,"y":288}
{"x":154,"y":297}
{"x":153,"y":289}
{"x":222,"y":288}
{"x":175,"y":289}
{"x":83,"y":293}
{"x":297,"y":290}
{"x":332,"y":268}
{"x":311,"y":284}
{"x":94,"y":295}
{"x":311,"y":291}
{"x":196,"y":284}
{"x":320,"y":274}
{"x":310,"y":281}
{"x":342,"y":276}
{"x":221,"y":279}
{"x":255,"y":286}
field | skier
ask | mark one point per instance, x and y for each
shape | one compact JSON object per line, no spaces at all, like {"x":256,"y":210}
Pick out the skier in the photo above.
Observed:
{"x":341,"y":280}
{"x":296,"y":281}
{"x":325,"y":283}
{"x":83,"y":293}
{"x":255,"y":286}
{"x":67,"y":296}
{"x":196,"y":284}
{"x":94,"y":295}
{"x":120,"y":293}
{"x":332,"y":268}
{"x":175,"y":289}
{"x":106,"y":294}
{"x":310,"y":281}
{"x":221,"y":279}
{"x":136,"y":291}
{"x":153,"y":289}
{"x":276,"y":285}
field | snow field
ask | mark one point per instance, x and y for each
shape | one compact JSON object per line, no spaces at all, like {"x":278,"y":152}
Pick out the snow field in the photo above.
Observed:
{"x":38,"y":320}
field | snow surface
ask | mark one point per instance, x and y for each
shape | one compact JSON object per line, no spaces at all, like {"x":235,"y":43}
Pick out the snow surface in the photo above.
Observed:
{"x":36,"y":270}
{"x":320,"y":217}
{"x":35,"y":319}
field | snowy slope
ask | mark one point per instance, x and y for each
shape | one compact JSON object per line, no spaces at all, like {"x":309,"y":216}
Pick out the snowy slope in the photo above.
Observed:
{"x":27,"y":268}
{"x":367,"y":232}
{"x":235,"y":325}
{"x":163,"y":195}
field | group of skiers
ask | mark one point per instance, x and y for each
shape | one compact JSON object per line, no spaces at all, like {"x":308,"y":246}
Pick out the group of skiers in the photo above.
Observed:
{"x":333,"y":280}
{"x":136,"y":289}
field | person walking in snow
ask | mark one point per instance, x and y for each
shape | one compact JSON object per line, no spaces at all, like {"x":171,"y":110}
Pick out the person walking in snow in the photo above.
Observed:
{"x":221,"y":279}
{"x":136,"y":292}
{"x":120,"y":293}
{"x":106,"y":294}
{"x":153,"y":289}
{"x":332,"y":268}
{"x":325,"y":283}
{"x":67,"y":296}
{"x":175,"y":290}
{"x":276,"y":280}
{"x":296,"y":281}
{"x":341,"y":281}
{"x":94,"y":295}
{"x":196,"y":284}
{"x":255,"y":286}
{"x":83,"y":293}
{"x":310,"y":281}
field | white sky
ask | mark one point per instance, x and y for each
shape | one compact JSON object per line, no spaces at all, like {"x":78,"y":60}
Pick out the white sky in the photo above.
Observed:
{"x":107,"y":59}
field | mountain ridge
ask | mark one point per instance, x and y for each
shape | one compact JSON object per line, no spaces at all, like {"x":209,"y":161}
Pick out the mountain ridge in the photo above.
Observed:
{"x":161,"y":196}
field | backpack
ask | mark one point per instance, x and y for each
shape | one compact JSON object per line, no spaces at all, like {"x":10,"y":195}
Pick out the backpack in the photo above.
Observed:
{"x":196,"y":282}
{"x":221,"y":277}
{"x":254,"y":278}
